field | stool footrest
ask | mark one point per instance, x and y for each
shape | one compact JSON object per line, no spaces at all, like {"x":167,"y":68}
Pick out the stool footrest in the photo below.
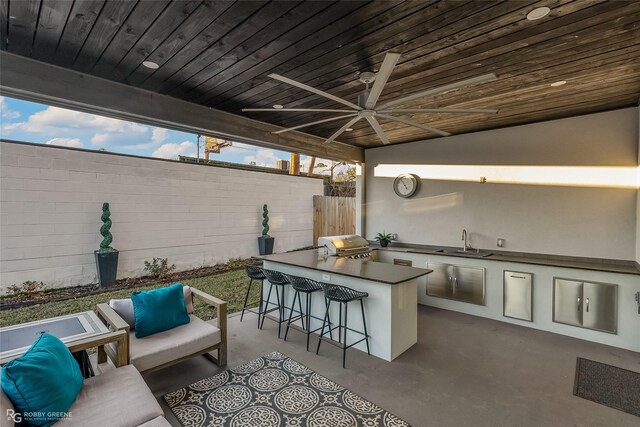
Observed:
{"x":301,"y":329}
{"x":275,"y":319}
{"x":252,"y":310}
{"x":339,"y":344}
{"x":348,"y":329}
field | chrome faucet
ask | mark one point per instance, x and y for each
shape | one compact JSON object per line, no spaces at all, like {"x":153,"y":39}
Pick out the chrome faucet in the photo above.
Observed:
{"x":466,"y":246}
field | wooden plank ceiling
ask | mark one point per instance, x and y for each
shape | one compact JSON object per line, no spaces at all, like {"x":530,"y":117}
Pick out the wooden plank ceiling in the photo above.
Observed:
{"x":219,"y":53}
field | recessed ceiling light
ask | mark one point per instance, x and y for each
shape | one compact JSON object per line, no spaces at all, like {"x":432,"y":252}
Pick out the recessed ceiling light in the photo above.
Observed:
{"x":150,"y":64}
{"x":277,"y":106}
{"x":348,"y":129}
{"x":558,"y":83}
{"x":538,"y":13}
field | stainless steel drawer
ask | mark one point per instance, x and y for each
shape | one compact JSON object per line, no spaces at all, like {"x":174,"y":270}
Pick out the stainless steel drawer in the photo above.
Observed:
{"x":518,"y":295}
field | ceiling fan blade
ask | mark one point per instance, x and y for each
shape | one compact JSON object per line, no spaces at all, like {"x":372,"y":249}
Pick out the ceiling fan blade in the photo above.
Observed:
{"x":342,"y":129}
{"x":376,"y":127}
{"x":304,"y":110}
{"x":414,"y":124}
{"x":330,"y":119}
{"x":479,"y":79}
{"x":314,"y":90}
{"x":442,"y":110}
{"x":389,"y":63}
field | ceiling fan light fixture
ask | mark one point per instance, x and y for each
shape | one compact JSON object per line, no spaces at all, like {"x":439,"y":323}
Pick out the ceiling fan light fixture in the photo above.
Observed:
{"x":558,"y":83}
{"x":538,"y":13}
{"x":368,"y":107}
{"x":151,"y":65}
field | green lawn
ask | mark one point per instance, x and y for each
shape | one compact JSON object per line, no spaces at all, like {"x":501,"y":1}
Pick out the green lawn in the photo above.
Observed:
{"x":230,"y":286}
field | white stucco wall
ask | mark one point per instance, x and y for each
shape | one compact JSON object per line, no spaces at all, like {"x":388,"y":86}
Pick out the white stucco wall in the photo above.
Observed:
{"x":194,"y":215}
{"x":574,"y":221}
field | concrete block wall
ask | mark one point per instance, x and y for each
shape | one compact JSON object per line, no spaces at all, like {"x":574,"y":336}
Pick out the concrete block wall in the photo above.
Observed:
{"x":194,"y":215}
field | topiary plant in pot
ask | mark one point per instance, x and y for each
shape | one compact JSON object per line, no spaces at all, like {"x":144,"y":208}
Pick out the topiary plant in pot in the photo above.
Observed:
{"x":106,"y":256}
{"x":265,"y":242}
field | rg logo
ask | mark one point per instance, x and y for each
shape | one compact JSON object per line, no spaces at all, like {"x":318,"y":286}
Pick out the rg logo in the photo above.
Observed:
{"x":15,"y":416}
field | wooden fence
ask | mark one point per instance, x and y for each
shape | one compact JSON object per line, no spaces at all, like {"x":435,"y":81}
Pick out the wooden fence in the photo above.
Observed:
{"x":333,"y":216}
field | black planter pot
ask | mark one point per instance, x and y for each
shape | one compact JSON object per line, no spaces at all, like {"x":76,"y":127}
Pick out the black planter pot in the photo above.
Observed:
{"x":107,"y":265}
{"x":384,"y":243}
{"x":265,"y":245}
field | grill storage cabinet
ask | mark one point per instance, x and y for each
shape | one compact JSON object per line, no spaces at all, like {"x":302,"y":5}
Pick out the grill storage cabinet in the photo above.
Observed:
{"x":585,"y":304}
{"x":459,"y":283}
{"x":518,"y":295}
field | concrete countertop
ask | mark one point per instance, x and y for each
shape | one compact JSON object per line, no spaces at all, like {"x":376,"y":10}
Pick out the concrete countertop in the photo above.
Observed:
{"x":609,"y":266}
{"x":360,"y":268}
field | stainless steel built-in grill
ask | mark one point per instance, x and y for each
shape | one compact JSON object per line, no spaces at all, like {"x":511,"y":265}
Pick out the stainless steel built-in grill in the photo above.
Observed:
{"x":348,"y":246}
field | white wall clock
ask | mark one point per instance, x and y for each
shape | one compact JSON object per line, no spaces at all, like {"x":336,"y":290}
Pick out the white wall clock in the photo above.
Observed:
{"x":406,"y":185}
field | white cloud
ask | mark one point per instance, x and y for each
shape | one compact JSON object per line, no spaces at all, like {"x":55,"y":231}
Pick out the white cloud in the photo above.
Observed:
{"x":54,"y":118}
{"x":173,"y":150}
{"x":263,"y":157}
{"x":10,"y":127}
{"x":159,"y":135}
{"x":5,"y":111}
{"x":101,"y":138}
{"x":239,"y":148}
{"x":66,"y":142}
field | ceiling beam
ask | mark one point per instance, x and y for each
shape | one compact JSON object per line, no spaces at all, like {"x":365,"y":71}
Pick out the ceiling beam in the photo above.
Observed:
{"x":32,"y":80}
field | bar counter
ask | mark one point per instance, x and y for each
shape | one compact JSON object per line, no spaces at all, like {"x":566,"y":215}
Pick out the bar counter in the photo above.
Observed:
{"x":391,"y":308}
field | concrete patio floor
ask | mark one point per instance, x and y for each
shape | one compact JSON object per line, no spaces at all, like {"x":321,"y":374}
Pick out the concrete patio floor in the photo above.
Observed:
{"x":464,"y":371}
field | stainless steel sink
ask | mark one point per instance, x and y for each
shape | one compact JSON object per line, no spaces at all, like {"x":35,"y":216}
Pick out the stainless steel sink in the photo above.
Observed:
{"x":469,"y":252}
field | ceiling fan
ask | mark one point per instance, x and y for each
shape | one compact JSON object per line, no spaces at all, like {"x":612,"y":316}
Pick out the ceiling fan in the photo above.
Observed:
{"x":367,"y":107}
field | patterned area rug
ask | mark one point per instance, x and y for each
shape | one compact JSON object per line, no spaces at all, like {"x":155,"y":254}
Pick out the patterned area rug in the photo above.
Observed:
{"x":274,"y":390}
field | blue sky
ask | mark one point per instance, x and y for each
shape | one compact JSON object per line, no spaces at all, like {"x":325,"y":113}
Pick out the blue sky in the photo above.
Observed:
{"x":38,"y":123}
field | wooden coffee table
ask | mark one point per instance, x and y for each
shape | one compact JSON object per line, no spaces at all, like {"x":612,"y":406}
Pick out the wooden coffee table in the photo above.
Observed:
{"x":78,"y":331}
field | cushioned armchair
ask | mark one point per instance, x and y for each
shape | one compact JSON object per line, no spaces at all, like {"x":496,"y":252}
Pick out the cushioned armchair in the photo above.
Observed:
{"x":166,"y":348}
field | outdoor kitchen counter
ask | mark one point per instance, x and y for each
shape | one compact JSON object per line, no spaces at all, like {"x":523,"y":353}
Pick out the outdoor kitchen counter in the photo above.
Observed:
{"x":582,"y":263}
{"x":360,"y":268}
{"x":391,"y":306}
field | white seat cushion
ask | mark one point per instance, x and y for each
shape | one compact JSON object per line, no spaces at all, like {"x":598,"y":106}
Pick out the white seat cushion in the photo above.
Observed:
{"x":164,"y":347}
{"x":119,"y":397}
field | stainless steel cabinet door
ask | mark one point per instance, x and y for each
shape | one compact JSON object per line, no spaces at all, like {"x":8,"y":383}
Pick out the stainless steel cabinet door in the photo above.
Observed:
{"x":468,"y":284}
{"x":439,"y":283}
{"x":518,"y":295}
{"x":599,"y":306}
{"x":567,"y":302}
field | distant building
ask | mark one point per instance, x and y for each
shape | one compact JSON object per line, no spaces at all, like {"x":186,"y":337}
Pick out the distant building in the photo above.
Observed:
{"x":282,"y":165}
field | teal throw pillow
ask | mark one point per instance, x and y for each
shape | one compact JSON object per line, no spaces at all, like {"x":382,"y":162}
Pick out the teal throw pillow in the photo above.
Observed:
{"x":44,"y":382}
{"x":159,"y":310}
